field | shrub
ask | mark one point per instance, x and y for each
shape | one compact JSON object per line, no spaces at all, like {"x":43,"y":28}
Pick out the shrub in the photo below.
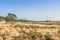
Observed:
{"x":48,"y":37}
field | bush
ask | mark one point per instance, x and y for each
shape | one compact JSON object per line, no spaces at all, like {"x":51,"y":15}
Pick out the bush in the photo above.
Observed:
{"x":48,"y":37}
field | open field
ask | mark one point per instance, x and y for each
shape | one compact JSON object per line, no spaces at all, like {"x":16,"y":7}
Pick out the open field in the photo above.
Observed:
{"x":30,"y":31}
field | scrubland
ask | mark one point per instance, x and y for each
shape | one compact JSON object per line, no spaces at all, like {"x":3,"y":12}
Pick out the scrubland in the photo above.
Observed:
{"x":29,"y":31}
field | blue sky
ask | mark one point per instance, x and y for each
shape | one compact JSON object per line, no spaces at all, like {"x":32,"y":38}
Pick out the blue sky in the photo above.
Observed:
{"x":31,"y":9}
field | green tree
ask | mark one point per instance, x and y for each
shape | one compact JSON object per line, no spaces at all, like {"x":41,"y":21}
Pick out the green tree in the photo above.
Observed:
{"x":11,"y":17}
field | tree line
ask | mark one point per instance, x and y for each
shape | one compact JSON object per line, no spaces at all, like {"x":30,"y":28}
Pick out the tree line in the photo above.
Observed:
{"x":12,"y":17}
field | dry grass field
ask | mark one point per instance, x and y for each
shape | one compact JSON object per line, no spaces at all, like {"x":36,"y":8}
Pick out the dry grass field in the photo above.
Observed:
{"x":30,"y":31}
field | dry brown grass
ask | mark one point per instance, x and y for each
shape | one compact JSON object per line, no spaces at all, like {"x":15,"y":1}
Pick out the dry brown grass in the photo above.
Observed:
{"x":29,"y":31}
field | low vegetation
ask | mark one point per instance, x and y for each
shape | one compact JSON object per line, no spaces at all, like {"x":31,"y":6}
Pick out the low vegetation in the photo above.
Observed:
{"x":19,"y":29}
